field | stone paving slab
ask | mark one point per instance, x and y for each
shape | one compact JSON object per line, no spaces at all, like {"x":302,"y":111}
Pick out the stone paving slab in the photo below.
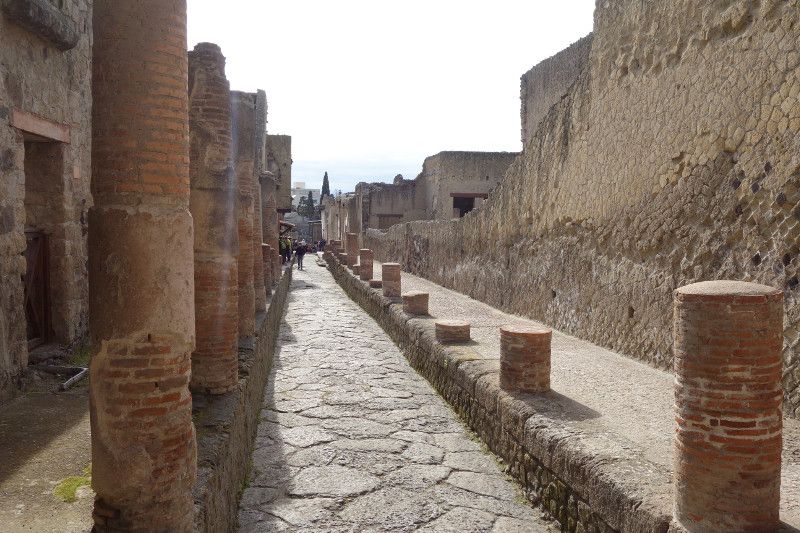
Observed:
{"x":597,"y":391}
{"x":351,"y":438}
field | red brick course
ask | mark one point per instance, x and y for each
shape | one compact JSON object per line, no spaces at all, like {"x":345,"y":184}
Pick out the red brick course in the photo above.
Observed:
{"x":525,"y":358}
{"x":728,"y":340}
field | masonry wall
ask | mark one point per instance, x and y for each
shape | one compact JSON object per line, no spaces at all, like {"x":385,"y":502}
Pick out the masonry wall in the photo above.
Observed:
{"x":549,"y":81}
{"x":672,"y":159}
{"x":387,"y":204}
{"x":45,"y":85}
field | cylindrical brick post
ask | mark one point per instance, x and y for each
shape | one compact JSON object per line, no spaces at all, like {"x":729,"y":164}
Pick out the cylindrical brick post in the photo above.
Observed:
{"x":356,"y":269}
{"x":728,"y":340}
{"x":352,"y":248}
{"x":266,"y":258}
{"x":278,"y":267}
{"x":215,"y":361}
{"x":343,"y":259}
{"x":269,"y":212}
{"x":415,"y":302}
{"x":390,"y":276}
{"x":243,"y":124}
{"x":365,"y":259}
{"x":141,"y":269}
{"x":448,"y":331}
{"x":525,"y":358}
{"x":259,"y":283}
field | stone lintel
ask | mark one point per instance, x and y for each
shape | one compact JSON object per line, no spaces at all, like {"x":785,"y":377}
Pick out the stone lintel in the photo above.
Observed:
{"x":43,"y":129}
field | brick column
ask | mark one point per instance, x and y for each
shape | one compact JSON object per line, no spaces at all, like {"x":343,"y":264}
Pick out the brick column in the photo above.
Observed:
{"x":352,"y":248}
{"x":242,"y":128}
{"x":728,"y":340}
{"x":365,"y":258}
{"x":215,"y":363}
{"x":269,"y":211}
{"x":525,"y":358}
{"x":141,"y":269}
{"x":390,"y":276}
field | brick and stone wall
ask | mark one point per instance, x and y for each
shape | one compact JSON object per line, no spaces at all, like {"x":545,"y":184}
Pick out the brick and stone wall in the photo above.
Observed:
{"x":549,"y":81}
{"x":45,"y":95}
{"x":672,"y":159}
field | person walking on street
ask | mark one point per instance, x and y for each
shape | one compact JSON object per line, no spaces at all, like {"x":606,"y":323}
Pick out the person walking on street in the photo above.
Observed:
{"x":300,"y":252}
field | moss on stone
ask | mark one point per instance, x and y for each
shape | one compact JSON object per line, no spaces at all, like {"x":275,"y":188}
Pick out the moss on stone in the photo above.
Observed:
{"x":67,"y":488}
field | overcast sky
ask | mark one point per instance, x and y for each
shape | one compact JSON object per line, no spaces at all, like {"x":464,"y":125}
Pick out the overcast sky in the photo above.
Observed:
{"x":368,"y":88}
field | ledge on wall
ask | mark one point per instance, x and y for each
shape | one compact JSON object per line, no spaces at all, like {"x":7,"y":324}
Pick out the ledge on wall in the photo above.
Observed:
{"x":45,"y":20}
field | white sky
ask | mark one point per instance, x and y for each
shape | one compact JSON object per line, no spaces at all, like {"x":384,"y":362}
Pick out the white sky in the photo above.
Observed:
{"x":368,"y":88}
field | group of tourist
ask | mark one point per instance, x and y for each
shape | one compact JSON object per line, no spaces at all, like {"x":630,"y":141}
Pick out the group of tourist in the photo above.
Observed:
{"x":299,"y":249}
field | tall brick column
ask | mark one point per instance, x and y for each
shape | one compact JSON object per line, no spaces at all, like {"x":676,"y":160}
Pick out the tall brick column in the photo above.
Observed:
{"x":259,"y":285}
{"x":141,"y":269}
{"x":366,"y":258}
{"x":352,"y":249}
{"x":215,"y":361}
{"x":390,"y":275}
{"x":728,"y":340}
{"x":269,"y":211}
{"x":242,"y":129}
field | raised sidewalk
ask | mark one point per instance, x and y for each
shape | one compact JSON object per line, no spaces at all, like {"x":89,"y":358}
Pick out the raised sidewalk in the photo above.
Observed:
{"x":596,"y":451}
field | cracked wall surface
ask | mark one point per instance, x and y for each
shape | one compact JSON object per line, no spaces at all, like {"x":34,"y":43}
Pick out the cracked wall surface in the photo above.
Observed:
{"x":672,"y":159}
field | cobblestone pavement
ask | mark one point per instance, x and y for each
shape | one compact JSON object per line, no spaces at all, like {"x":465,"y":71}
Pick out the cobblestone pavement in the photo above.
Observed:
{"x":351,"y":438}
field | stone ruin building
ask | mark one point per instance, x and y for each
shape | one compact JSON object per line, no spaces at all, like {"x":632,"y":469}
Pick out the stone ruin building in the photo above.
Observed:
{"x":450,"y":185}
{"x":141,"y":207}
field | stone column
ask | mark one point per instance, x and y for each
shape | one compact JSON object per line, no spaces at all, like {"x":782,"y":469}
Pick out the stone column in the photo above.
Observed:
{"x":259,"y":284}
{"x":365,"y":258}
{"x":525,"y":358}
{"x":215,"y":361}
{"x":390,"y":276}
{"x":269,"y":212}
{"x":242,"y":128}
{"x":415,"y":302}
{"x":352,"y":249}
{"x":728,"y":340}
{"x":266,"y":258}
{"x":141,"y":269}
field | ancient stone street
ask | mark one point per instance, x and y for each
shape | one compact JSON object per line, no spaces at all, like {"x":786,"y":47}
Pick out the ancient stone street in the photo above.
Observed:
{"x":351,"y":438}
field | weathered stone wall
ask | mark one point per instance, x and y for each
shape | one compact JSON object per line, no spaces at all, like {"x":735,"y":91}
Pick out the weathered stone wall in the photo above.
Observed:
{"x":45,"y":88}
{"x":384,"y":205}
{"x":547,"y":82}
{"x":278,"y":160}
{"x":672,"y":159}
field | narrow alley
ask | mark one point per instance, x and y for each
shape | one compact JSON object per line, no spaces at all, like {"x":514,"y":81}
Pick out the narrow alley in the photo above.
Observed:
{"x":351,"y":438}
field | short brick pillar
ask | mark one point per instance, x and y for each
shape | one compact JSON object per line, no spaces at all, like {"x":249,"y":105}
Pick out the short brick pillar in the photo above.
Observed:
{"x":448,"y":331}
{"x":342,"y":257}
{"x":365,"y":259}
{"x":356,"y":269}
{"x":375,"y":283}
{"x":352,"y":248}
{"x":390,"y":275}
{"x":525,"y":358}
{"x":728,"y":341}
{"x":278,"y":267}
{"x":415,"y":302}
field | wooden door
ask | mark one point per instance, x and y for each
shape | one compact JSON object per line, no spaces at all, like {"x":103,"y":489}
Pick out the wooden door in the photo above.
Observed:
{"x":37,"y":290}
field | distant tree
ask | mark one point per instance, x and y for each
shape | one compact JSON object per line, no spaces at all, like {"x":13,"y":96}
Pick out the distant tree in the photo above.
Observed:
{"x":326,"y":186}
{"x":306,"y":207}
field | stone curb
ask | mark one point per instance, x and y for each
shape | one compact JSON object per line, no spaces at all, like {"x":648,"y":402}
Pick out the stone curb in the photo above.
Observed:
{"x":587,"y":480}
{"x":226,"y":424}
